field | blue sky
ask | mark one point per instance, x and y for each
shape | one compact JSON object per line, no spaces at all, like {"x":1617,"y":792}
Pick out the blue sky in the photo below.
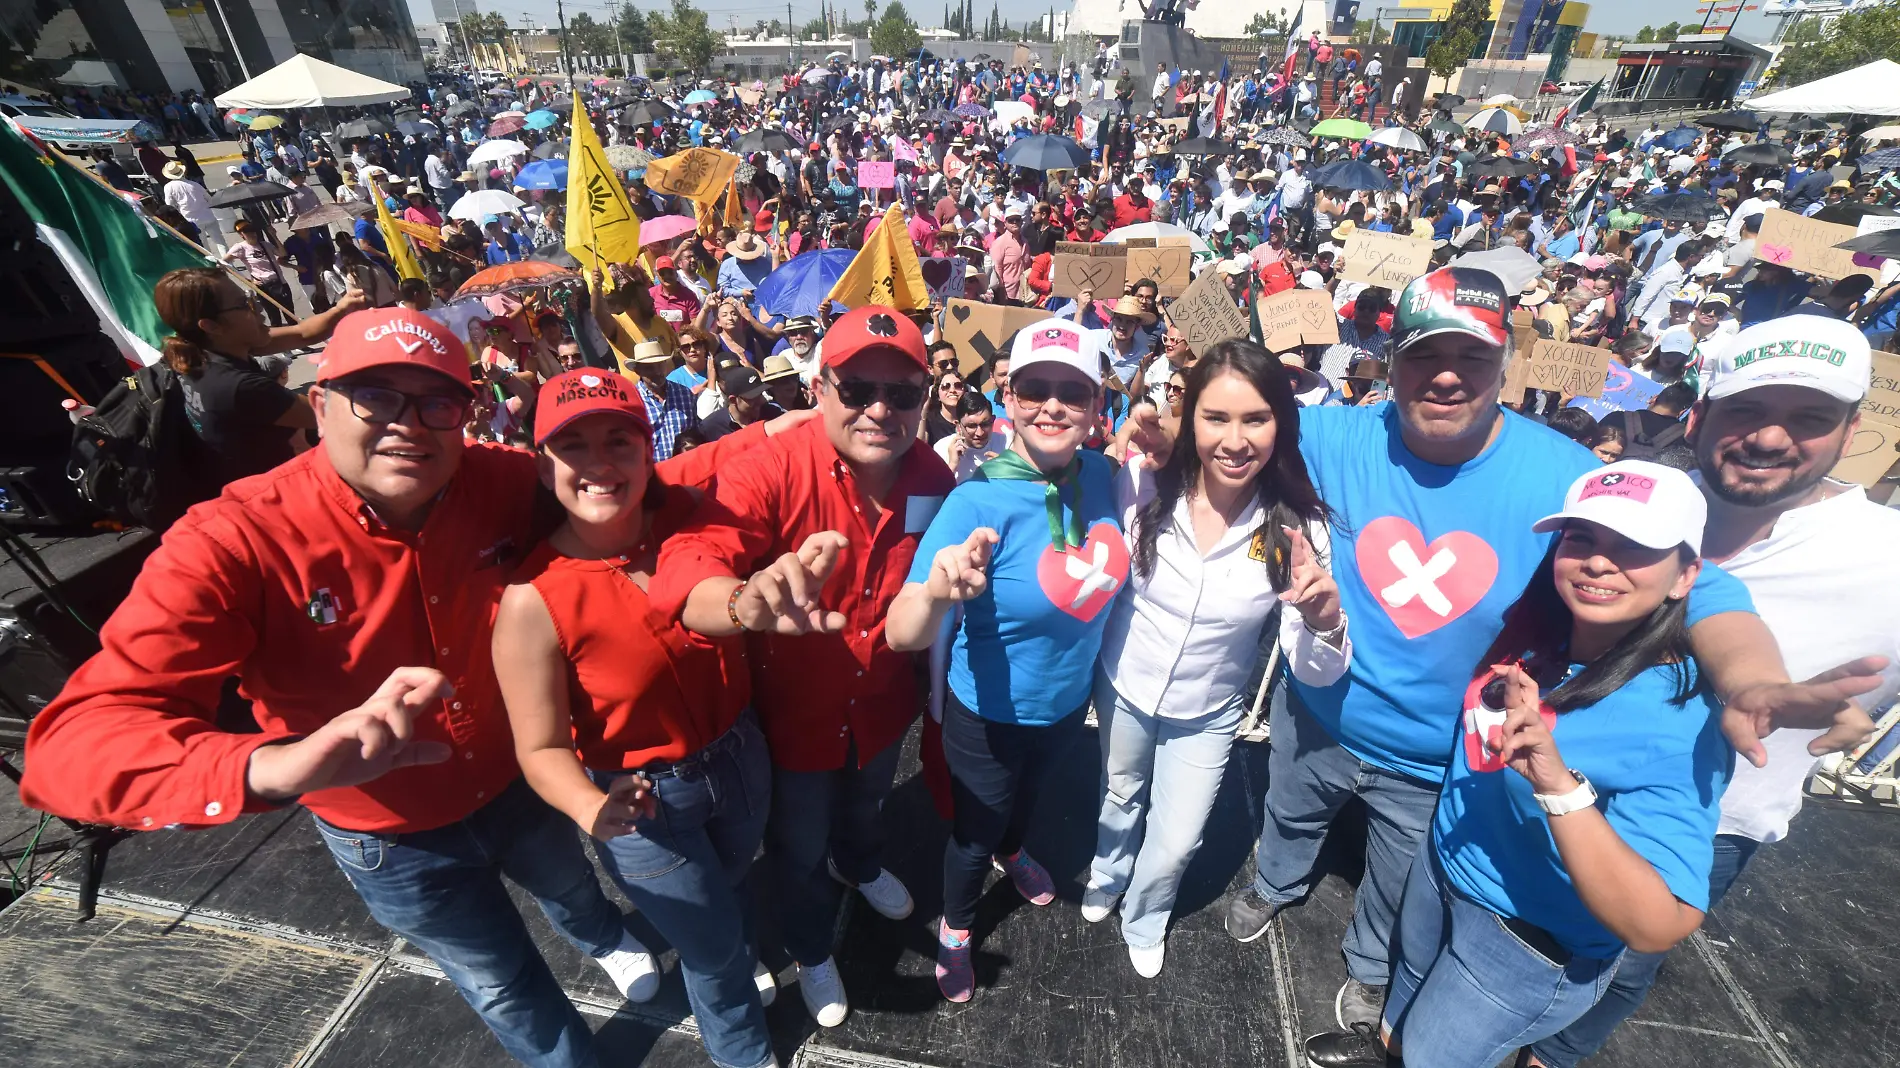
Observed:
{"x":1606,"y":16}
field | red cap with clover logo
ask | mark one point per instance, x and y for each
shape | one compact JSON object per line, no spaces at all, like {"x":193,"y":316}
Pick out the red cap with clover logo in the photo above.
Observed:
{"x":874,"y":326}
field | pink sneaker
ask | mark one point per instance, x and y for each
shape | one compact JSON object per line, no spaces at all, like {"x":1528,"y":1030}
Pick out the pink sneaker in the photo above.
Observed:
{"x":1031,"y":880}
{"x":955,"y":976}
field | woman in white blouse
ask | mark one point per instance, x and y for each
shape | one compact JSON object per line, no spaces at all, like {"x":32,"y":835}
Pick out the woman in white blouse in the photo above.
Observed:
{"x":1230,"y":524}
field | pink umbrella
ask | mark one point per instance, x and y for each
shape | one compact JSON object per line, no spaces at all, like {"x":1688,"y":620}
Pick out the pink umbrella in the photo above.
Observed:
{"x":666,"y":227}
{"x":504,"y":127}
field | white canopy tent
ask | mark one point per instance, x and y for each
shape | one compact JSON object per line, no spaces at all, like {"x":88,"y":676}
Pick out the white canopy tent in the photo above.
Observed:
{"x":1870,"y":90}
{"x":304,"y":82}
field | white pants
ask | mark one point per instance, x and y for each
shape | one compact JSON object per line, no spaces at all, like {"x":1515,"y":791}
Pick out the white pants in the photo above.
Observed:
{"x":1159,"y":780}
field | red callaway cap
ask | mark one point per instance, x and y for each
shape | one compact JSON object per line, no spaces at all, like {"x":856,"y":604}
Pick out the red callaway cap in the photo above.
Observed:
{"x":572,"y":394}
{"x":393,"y":337}
{"x":874,"y":326}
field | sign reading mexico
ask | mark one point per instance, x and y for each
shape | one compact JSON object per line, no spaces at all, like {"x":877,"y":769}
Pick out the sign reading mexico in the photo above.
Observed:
{"x":1389,"y":260}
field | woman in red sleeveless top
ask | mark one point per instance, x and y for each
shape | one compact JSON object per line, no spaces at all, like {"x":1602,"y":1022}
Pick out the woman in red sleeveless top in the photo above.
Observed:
{"x":635,"y":728}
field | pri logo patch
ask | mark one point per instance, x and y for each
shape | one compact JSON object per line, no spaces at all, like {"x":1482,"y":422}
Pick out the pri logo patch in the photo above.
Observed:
{"x":1629,"y":487}
{"x":321,"y":608}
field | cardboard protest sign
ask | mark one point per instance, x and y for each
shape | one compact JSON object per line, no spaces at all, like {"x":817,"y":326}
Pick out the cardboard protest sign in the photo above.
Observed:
{"x":1883,"y":394}
{"x":980,"y":331}
{"x":1803,"y":244}
{"x":1572,"y":370}
{"x":1388,"y":260}
{"x":1870,"y":453}
{"x":1624,"y":390}
{"x":877,"y":174}
{"x":1524,"y":331}
{"x":944,"y":276}
{"x":1080,"y":265}
{"x":1167,"y":261}
{"x":1178,"y":126}
{"x":1206,"y":313}
{"x":1297,"y":317}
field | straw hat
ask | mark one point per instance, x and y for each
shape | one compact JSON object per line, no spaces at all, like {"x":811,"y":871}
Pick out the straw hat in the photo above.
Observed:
{"x":651,"y":352}
{"x":1344,"y":230}
{"x":1129,"y":306}
{"x":746,"y":247}
{"x":778,"y":367}
{"x":173,"y":170}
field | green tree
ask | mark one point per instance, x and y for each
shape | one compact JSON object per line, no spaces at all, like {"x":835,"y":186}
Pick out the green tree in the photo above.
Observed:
{"x":684,"y":35}
{"x":1669,"y":32}
{"x":1646,"y":35}
{"x":1460,"y":35}
{"x":1855,"y":39}
{"x":895,"y":35}
{"x":814,"y":29}
{"x":1266,"y":24}
{"x":587,"y":37}
{"x":485,"y":26}
{"x":636,"y":35}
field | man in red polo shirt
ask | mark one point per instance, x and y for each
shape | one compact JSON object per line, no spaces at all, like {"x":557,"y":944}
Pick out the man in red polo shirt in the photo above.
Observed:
{"x":352,"y":590}
{"x":805,"y":543}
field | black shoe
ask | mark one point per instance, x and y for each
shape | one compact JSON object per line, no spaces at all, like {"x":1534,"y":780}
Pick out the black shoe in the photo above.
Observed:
{"x":1357,"y":1048}
{"x":1248,"y":915}
{"x":1357,"y":1003}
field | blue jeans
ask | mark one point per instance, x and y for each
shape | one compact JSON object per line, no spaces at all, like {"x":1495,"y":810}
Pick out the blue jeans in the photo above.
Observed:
{"x":441,"y":889}
{"x":1159,"y":780}
{"x":1467,"y":989}
{"x":1311,"y":777}
{"x":996,"y":774}
{"x":683,"y":868}
{"x":820,"y":815}
{"x":1637,"y":973}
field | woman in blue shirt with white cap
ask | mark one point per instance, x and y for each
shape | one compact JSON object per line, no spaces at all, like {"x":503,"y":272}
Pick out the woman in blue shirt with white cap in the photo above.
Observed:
{"x":1579,"y":813}
{"x":1031,"y":546}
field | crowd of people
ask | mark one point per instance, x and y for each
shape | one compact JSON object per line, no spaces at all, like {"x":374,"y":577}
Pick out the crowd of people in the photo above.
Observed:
{"x":665,"y":563}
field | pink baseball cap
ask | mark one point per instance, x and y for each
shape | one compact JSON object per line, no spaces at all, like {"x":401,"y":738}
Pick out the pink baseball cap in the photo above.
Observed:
{"x":1649,"y":504}
{"x":1057,"y":341}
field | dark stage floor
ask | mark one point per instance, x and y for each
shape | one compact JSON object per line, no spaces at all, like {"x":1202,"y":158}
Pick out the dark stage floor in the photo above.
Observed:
{"x":245,"y":946}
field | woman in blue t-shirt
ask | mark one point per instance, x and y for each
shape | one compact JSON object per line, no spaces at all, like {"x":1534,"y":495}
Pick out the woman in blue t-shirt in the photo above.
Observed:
{"x":1031,"y":547}
{"x":1576,"y":824}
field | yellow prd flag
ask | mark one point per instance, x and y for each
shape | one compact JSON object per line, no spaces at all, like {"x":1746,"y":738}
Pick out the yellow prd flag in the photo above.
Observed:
{"x":397,"y":242}
{"x":885,"y":271}
{"x":698,"y":174}
{"x":601,"y":225}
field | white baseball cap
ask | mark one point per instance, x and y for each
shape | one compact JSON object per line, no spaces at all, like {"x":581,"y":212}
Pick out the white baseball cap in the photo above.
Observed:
{"x":1649,"y":504}
{"x":1057,"y":341}
{"x":1815,"y":351}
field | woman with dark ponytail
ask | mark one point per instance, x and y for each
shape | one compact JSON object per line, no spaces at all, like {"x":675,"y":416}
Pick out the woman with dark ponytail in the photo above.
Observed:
{"x":1229,"y":525}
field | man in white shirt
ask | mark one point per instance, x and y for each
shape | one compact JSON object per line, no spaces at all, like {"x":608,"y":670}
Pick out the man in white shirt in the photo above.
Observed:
{"x":1651,"y":308}
{"x":191,"y":201}
{"x":1162,"y":85}
{"x":1816,"y":556}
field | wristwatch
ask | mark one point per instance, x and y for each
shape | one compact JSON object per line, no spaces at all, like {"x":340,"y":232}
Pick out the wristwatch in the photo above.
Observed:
{"x":1575,"y":800}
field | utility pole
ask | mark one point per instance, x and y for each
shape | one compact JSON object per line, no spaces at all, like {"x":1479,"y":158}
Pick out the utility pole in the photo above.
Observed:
{"x":467,"y":52}
{"x":232,"y":38}
{"x":791,"y":31}
{"x":567,"y":68}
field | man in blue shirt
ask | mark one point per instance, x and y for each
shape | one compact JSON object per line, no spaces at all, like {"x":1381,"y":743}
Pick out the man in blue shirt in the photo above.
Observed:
{"x":1435,"y":495}
{"x":503,"y":247}
{"x":671,"y":407}
{"x":745,"y":266}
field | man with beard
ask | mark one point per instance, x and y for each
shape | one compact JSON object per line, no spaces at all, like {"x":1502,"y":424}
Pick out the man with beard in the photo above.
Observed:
{"x":1816,"y":556}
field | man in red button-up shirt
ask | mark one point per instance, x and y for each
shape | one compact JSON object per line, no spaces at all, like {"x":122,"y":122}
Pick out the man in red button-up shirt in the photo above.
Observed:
{"x":352,"y":591}
{"x":821,"y":524}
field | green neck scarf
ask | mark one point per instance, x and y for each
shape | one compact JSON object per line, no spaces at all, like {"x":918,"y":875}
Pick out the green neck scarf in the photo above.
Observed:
{"x":1011,"y":467}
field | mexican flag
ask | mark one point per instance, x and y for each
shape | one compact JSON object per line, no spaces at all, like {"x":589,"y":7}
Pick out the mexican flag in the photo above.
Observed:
{"x":113,"y":252}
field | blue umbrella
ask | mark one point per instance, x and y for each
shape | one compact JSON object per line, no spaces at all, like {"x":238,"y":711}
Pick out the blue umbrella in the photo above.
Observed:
{"x":973,"y":111}
{"x":1680,"y":137}
{"x":541,"y":119}
{"x":1351,"y":174}
{"x":1886,"y":159}
{"x":801,"y":283}
{"x":1046,"y":152}
{"x":701,"y":96}
{"x":543,"y":174}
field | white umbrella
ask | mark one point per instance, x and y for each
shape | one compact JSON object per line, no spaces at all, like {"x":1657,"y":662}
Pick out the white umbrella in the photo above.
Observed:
{"x":1882,"y":133}
{"x":496,"y":151}
{"x":1008,"y":111}
{"x":816,"y":74}
{"x":1153,"y":230}
{"x":1501,"y":98}
{"x":483,"y":202}
{"x":1495,"y":120}
{"x":837,"y":55}
{"x":1400,"y":138}
{"x":1513,"y":266}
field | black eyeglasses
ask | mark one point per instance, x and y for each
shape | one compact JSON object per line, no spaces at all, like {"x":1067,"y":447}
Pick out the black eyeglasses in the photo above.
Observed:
{"x":250,"y":303}
{"x":858,"y":393}
{"x":379,"y":404}
{"x":1035,"y":391}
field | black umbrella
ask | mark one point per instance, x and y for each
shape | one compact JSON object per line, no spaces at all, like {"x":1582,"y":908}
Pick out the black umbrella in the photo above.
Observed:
{"x":463,"y":107}
{"x":1805,"y":124}
{"x":1680,"y":207}
{"x":939,"y":115}
{"x":765,"y":139}
{"x":417,"y":129}
{"x":1351,"y":174}
{"x":837,"y":122}
{"x":407,"y":114}
{"x":1047,"y":152}
{"x":624,"y":100}
{"x":1760,"y":152}
{"x":1282,"y":135}
{"x":1101,"y":109}
{"x":1502,"y":167}
{"x":1203,"y":146}
{"x":645,"y":113}
{"x":1878,"y":243}
{"x":1741,"y":119}
{"x":232,"y":196}
{"x":1447,"y":101}
{"x":550,"y":150}
{"x":1851,"y":212}
{"x":361,"y":128}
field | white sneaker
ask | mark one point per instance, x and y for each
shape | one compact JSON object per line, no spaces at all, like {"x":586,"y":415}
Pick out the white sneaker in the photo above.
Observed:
{"x":1097,"y":904}
{"x":885,"y":894}
{"x":633,"y":970}
{"x":823,"y":992}
{"x":1147,"y":962}
{"x":767,"y":983}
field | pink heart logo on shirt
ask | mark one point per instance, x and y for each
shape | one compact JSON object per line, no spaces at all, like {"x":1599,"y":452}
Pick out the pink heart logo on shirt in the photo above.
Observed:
{"x":1423,"y":587}
{"x":1083,"y":580}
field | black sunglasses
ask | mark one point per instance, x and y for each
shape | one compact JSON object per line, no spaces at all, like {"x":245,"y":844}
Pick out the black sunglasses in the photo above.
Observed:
{"x":860,"y":394}
{"x":380,"y":404}
{"x":1035,"y":391}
